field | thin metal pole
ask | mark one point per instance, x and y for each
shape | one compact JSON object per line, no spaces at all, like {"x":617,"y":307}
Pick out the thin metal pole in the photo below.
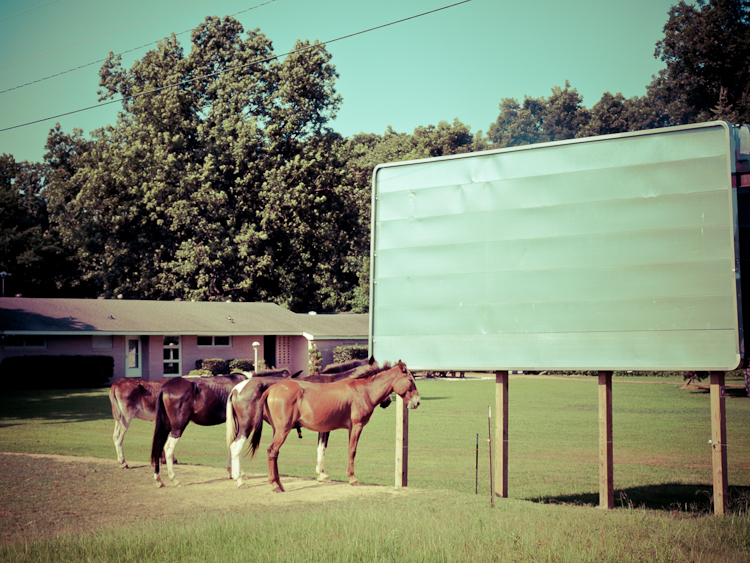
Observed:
{"x":492,"y":473}
{"x":476,"y":471}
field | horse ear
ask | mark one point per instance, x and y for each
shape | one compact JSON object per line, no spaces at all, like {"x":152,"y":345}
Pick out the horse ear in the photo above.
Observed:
{"x":372,"y":360}
{"x":295,"y":374}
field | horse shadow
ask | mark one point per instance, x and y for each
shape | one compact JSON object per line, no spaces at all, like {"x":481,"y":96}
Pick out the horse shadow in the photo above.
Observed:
{"x":668,"y":497}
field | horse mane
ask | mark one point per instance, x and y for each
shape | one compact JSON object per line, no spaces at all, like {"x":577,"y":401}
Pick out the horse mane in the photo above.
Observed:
{"x":373,"y":371}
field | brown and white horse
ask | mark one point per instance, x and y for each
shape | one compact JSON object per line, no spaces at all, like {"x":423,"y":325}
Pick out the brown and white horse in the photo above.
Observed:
{"x":132,"y":398}
{"x":323,"y":407}
{"x":243,"y":399}
{"x":200,"y":400}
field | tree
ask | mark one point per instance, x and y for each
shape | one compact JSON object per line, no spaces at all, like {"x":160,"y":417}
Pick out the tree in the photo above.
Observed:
{"x":706,"y":47}
{"x":217,"y":180}
{"x":538,"y":120}
{"x":616,"y":114}
{"x":30,"y":249}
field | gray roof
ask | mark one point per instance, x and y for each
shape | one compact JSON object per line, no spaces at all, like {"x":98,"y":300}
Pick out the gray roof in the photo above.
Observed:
{"x":23,"y":315}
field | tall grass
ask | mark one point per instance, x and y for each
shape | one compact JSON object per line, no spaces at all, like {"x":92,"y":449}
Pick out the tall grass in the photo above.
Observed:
{"x":424,"y":527}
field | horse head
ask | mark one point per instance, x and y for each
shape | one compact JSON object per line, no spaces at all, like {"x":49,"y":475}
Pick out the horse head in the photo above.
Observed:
{"x":405,"y":386}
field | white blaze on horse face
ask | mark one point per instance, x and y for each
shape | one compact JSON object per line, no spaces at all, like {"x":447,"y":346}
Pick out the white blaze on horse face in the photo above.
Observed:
{"x":414,"y":401}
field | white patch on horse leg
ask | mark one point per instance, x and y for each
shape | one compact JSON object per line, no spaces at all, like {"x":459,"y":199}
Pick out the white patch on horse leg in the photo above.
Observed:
{"x":319,"y":468}
{"x":118,"y":438}
{"x":169,"y":448}
{"x":235,"y":449}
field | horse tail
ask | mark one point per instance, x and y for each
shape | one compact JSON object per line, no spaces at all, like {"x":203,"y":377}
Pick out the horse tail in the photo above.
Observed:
{"x":161,"y":430}
{"x":231,"y":418}
{"x":116,"y":411}
{"x":258,"y":423}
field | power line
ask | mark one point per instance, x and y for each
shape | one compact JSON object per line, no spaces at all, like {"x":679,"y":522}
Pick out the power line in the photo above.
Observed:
{"x":101,"y":34}
{"x":29,"y":10}
{"x":239,"y":67}
{"x":118,"y":54}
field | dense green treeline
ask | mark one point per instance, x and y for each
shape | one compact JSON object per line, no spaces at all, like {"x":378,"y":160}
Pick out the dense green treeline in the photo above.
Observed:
{"x":223,"y":177}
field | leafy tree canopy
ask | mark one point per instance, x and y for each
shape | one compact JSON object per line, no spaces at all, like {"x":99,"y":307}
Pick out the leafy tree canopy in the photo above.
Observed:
{"x":706,"y":48}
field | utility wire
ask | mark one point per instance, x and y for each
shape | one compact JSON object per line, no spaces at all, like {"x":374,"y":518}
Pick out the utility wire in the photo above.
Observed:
{"x":29,"y":10}
{"x":101,"y":34}
{"x":118,"y":54}
{"x":238,"y":67}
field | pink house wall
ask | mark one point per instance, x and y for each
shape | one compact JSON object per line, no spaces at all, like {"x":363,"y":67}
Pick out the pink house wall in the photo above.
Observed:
{"x":153,"y":352}
{"x":241,"y":349}
{"x":73,"y":346}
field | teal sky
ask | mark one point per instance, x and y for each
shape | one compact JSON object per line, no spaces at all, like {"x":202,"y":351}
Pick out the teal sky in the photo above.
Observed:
{"x":455,"y":63}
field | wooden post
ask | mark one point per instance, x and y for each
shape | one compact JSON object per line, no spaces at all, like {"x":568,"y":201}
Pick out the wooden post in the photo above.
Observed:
{"x":606,"y":452}
{"x":501,"y":433}
{"x":402,"y":443}
{"x":718,"y":442}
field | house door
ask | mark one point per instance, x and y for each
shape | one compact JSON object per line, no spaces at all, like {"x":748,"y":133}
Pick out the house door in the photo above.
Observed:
{"x":133,"y":356}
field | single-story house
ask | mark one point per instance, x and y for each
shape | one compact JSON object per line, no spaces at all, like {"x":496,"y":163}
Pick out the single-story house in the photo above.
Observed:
{"x":154,"y":339}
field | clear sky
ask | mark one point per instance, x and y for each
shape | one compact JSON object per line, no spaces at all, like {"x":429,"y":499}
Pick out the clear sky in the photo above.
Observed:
{"x":455,"y":63}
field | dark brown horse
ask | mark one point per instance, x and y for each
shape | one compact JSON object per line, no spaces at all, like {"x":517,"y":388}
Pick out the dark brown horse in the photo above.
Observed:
{"x":132,"y":397}
{"x":243,"y":401}
{"x":323,"y":407}
{"x":184,"y":399}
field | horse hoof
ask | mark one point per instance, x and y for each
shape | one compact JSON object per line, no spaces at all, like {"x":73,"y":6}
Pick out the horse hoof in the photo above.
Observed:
{"x":354,"y":483}
{"x":159,"y":484}
{"x":324,"y":479}
{"x":124,"y":465}
{"x":278,"y":490}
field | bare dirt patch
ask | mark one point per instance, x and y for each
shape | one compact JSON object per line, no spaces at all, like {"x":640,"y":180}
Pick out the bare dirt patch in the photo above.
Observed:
{"x":45,"y":495}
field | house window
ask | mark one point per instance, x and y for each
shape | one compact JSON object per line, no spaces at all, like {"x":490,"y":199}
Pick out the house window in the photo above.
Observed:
{"x":215,"y":341}
{"x":172,"y":355}
{"x":18,"y":341}
{"x":134,"y":360}
{"x":101,"y":342}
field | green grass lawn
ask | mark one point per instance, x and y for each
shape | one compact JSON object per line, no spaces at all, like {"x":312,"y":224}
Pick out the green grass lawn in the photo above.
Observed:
{"x":661,"y":435}
{"x":663,"y":479}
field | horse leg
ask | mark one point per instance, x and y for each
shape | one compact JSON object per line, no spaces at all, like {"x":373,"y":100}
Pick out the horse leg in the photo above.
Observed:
{"x":169,"y":448}
{"x":273,"y":456}
{"x":157,"y":476}
{"x":235,"y":449}
{"x":121,"y":426}
{"x":353,"y":439}
{"x":322,"y":445}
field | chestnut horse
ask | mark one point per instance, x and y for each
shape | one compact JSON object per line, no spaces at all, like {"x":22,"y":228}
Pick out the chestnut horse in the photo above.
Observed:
{"x":132,"y":397}
{"x":201,"y":400}
{"x":333,"y":373}
{"x":323,"y":407}
{"x":243,"y":401}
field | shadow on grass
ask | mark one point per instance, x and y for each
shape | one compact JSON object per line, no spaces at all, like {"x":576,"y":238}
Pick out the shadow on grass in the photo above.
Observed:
{"x":667,"y":496}
{"x":58,"y":405}
{"x":729,"y":392}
